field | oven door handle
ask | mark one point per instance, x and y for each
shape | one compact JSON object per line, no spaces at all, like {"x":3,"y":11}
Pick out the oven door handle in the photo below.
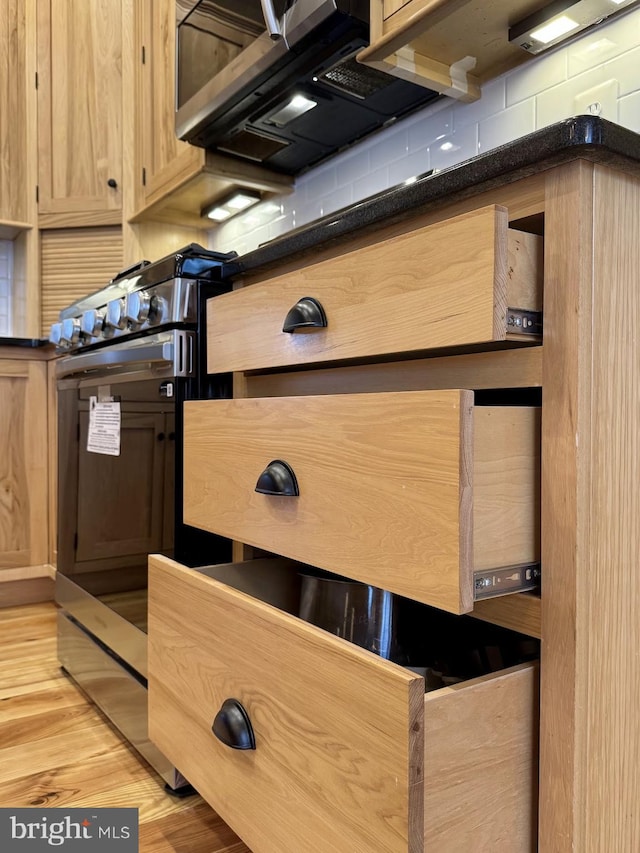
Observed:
{"x":175,"y":348}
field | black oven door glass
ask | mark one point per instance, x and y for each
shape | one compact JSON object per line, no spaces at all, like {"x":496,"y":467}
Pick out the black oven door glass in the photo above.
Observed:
{"x":115,"y":510}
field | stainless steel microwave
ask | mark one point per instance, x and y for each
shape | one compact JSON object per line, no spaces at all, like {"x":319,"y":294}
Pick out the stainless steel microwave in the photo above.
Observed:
{"x":276,"y":81}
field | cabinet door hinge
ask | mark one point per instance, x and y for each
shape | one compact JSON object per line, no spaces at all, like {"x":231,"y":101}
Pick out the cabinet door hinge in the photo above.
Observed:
{"x":144,"y":177}
{"x":37,"y":193}
{"x":144,"y":55}
{"x":36,"y":79}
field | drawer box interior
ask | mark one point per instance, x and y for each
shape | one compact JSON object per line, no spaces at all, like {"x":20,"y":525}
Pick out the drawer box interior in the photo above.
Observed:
{"x":457,"y":648}
{"x":334,"y":724}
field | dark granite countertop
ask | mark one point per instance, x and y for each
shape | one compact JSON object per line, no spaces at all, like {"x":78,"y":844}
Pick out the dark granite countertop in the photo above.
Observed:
{"x":584,"y":137}
{"x":23,"y":342}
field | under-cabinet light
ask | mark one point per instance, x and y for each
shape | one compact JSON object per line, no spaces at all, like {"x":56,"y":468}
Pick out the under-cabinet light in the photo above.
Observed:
{"x":562,"y":19}
{"x":555,"y":29}
{"x":235,"y":203}
{"x":293,"y":109}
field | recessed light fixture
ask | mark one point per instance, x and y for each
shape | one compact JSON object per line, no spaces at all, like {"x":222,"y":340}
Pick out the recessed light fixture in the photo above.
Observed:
{"x":235,"y":203}
{"x":560,"y":20}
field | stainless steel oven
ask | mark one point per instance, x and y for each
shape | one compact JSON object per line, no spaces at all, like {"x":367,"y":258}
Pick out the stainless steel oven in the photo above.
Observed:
{"x":132,"y":355}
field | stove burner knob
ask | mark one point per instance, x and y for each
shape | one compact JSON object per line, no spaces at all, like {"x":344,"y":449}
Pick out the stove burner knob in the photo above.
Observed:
{"x":92,"y":323}
{"x":70,"y":331}
{"x":55,"y":334}
{"x":115,"y":314}
{"x":158,"y":310}
{"x":137,"y":307}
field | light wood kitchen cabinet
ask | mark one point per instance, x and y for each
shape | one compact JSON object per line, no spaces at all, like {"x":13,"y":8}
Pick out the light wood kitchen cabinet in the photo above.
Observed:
{"x":18,"y":163}
{"x":13,"y":113}
{"x":80,"y":90}
{"x":24,"y":474}
{"x":403,"y":478}
{"x":450,"y":46}
{"x":176,"y":180}
{"x":244,"y":641}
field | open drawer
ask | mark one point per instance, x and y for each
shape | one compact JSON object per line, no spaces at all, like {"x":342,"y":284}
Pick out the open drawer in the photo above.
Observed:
{"x":469,"y":280}
{"x":350,"y":755}
{"x":417,"y":492}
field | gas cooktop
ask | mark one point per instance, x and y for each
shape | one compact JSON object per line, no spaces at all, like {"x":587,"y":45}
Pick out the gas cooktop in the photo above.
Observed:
{"x":142,"y":298}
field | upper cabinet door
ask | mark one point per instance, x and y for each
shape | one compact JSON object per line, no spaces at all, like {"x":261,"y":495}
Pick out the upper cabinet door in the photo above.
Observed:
{"x":80,"y":108}
{"x":163,"y":157}
{"x":15,"y":102}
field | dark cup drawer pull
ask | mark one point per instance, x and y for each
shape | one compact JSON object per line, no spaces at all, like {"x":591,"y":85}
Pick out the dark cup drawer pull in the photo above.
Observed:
{"x":307,"y":313}
{"x":278,"y":479}
{"x":232,"y":726}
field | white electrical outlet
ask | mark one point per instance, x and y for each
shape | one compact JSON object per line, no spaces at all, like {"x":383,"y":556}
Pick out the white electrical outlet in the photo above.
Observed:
{"x":601,"y":100}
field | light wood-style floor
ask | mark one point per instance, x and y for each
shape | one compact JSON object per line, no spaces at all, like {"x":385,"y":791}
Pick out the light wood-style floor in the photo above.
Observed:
{"x":57,"y":750}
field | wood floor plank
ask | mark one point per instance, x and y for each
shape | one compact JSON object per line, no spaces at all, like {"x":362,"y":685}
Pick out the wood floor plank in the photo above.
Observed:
{"x":190,"y":830}
{"x":11,"y":690}
{"x":68,"y":748}
{"x":55,"y":722}
{"x":14,"y":706}
{"x":14,"y":673}
{"x":17,"y":623}
{"x":58,"y":750}
{"x":31,"y":649}
{"x":75,"y":784}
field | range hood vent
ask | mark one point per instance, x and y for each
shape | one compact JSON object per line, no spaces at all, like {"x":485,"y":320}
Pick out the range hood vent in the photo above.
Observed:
{"x":356,"y":80}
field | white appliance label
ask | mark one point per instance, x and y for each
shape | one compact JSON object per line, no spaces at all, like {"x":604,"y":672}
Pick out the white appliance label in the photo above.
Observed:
{"x":104,"y":427}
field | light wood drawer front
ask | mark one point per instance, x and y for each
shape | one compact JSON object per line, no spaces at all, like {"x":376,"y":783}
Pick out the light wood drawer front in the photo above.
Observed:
{"x":339,"y":732}
{"x":408,"y":491}
{"x":443,"y":285}
{"x":340,"y":764}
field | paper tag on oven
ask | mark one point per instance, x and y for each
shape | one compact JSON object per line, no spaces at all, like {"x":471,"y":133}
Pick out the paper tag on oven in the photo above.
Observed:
{"x":104,"y":427}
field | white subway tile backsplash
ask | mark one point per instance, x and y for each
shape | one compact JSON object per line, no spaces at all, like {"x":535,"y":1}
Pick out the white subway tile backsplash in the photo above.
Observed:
{"x":607,"y":41}
{"x":625,"y":69}
{"x":510,"y":124}
{"x":493,"y":100}
{"x":351,"y":166}
{"x":281,"y":226}
{"x":540,"y":92}
{"x":629,"y":111}
{"x":428,"y":127}
{"x":454,"y":148}
{"x":370,"y":184}
{"x":558,"y":102}
{"x":6,"y":286}
{"x":318,"y":182}
{"x":409,"y":167}
{"x":387,"y":147}
{"x":536,"y":75}
{"x":341,"y":197}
